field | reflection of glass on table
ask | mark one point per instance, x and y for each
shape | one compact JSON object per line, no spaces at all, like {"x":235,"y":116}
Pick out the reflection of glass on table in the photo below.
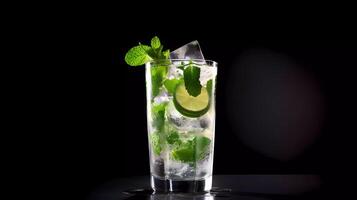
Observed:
{"x":244,"y":187}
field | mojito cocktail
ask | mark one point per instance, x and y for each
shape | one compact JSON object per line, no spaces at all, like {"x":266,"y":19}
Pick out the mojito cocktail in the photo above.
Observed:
{"x":181,"y":122}
{"x":180,"y":89}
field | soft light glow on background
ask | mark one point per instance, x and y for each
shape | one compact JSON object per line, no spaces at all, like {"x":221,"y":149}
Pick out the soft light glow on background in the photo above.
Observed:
{"x":274,"y":105}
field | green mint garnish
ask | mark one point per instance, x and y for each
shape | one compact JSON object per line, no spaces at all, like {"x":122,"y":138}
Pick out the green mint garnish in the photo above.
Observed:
{"x":202,"y":146}
{"x":155,"y":143}
{"x":158,"y":116}
{"x":171,"y":84}
{"x":166,"y":54}
{"x":142,"y":54}
{"x":158,"y":74}
{"x":138,"y":55}
{"x":155,"y":42}
{"x":191,"y":76}
{"x":173,"y":138}
{"x":185,"y":152}
{"x":209,"y":87}
{"x":192,"y":150}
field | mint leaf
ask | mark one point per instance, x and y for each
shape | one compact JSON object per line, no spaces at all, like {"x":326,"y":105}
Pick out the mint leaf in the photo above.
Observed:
{"x":144,"y":47}
{"x":142,"y":54}
{"x":166,"y":54}
{"x":155,"y":143}
{"x":202,"y":146}
{"x":192,"y":80}
{"x":156,"y":51}
{"x":192,"y":150}
{"x":209,"y":87}
{"x":152,"y":53}
{"x":159,"y":52}
{"x":171,"y":84}
{"x":158,"y":73}
{"x":173,"y":138}
{"x":184,"y":152}
{"x":155,"y":42}
{"x":138,"y":55}
{"x":158,"y":116}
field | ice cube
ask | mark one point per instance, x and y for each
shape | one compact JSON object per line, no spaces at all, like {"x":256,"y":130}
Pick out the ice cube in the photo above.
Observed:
{"x":191,"y":50}
{"x":162,"y":97}
{"x":203,"y":167}
{"x":174,"y":72}
{"x":207,"y":73}
{"x":180,"y":170}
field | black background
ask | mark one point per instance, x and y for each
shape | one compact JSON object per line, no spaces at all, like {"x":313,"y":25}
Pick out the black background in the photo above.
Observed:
{"x":93,"y":109}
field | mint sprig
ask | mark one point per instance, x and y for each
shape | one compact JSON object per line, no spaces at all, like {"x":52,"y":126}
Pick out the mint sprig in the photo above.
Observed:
{"x":141,"y":54}
{"x":191,"y":76}
{"x":192,"y":150}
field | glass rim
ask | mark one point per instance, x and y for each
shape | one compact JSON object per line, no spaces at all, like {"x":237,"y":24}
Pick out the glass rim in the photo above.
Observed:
{"x":185,"y":59}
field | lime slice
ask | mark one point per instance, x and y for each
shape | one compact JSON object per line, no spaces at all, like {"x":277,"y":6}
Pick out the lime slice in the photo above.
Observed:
{"x":191,"y":106}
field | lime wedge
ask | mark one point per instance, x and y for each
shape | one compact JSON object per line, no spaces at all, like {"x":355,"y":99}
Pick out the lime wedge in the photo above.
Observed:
{"x":188,"y":105}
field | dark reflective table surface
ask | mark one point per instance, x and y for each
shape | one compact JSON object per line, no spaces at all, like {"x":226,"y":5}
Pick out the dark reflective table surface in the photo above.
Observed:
{"x":242,"y":187}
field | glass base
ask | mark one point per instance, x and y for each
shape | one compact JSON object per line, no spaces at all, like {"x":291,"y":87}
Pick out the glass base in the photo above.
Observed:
{"x":185,"y":186}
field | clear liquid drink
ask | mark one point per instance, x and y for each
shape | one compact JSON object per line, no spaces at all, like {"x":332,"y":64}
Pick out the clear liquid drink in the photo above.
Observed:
{"x":181,"y":124}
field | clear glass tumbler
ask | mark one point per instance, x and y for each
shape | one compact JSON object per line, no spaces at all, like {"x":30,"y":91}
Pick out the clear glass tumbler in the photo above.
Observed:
{"x":181,"y":124}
